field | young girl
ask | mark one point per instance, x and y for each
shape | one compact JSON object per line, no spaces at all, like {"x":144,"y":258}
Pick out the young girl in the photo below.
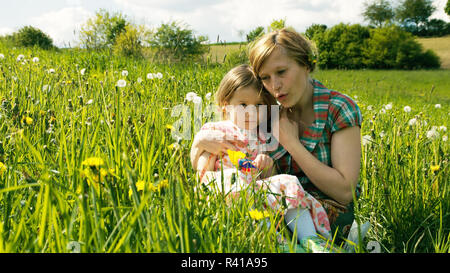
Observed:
{"x":240,"y":90}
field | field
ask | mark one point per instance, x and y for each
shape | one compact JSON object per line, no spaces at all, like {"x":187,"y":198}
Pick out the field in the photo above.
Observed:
{"x":88,"y":162}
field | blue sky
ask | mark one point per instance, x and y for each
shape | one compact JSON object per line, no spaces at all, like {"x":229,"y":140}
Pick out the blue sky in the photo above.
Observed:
{"x":62,"y":19}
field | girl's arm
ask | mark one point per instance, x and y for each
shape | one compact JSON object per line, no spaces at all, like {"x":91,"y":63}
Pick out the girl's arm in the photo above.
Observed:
{"x":206,"y":162}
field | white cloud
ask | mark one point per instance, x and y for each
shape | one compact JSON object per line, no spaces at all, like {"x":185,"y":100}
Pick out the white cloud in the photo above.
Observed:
{"x":226,"y":18}
{"x":62,"y":25}
{"x":440,"y":13}
{"x":5,"y":30}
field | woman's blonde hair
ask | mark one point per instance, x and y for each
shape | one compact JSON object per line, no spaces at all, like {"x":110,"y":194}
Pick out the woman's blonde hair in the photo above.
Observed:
{"x":237,"y":77}
{"x":294,"y":44}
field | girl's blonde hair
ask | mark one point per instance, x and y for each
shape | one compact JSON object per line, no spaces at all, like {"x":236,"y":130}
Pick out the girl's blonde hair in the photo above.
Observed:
{"x":241,"y":76}
{"x":295,"y":46}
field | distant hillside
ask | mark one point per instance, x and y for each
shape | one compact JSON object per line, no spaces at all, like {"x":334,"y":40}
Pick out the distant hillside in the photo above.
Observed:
{"x":439,"y":45}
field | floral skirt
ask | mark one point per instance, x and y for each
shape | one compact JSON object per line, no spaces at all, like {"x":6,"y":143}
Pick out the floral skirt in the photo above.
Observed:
{"x":282,"y":192}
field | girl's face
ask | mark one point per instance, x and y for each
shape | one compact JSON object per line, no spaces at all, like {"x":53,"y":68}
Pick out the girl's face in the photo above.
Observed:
{"x":284,"y":78}
{"x":243,"y":107}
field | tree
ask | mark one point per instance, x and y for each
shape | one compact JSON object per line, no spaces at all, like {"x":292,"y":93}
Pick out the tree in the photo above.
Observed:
{"x":178,"y":41}
{"x":276,"y":25}
{"x":255,"y":34}
{"x":378,"y":11}
{"x":102,"y":30}
{"x":315,"y":29}
{"x":447,"y":8}
{"x":131,"y":41}
{"x":30,"y":36}
{"x":415,"y":11}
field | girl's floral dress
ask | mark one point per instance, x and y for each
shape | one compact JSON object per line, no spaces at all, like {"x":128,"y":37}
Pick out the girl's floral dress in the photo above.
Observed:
{"x":283,"y":191}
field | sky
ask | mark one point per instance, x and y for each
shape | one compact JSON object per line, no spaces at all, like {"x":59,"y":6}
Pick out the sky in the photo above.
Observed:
{"x":225,"y":20}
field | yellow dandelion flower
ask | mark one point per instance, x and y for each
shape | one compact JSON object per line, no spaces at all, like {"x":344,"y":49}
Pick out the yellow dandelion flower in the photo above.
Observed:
{"x":140,"y":186}
{"x":434,"y":168}
{"x":27,"y":120}
{"x":235,"y":156}
{"x":93,"y":162}
{"x":258,"y":215}
{"x":163,"y":184}
{"x":170,"y":127}
{"x":2,"y":168}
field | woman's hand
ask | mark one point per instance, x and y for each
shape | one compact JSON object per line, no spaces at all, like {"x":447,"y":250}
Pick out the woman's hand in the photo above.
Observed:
{"x":288,"y":129}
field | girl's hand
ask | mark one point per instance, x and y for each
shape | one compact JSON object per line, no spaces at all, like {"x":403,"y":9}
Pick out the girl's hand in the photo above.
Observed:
{"x":213,"y":142}
{"x":263,"y":162}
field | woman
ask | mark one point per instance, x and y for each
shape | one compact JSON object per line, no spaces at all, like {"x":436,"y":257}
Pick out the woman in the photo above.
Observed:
{"x":319,"y":129}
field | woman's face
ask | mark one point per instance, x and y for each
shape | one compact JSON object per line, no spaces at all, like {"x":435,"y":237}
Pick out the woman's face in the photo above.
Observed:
{"x":284,"y":78}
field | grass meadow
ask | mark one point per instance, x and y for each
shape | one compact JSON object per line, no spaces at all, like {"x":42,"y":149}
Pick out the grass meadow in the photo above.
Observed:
{"x":89,"y":166}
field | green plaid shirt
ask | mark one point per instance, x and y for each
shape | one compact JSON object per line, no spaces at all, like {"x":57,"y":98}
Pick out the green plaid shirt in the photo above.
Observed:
{"x":333,"y":111}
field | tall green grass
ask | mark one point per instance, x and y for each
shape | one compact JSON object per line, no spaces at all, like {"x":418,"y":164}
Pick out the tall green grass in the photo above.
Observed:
{"x":52,"y":200}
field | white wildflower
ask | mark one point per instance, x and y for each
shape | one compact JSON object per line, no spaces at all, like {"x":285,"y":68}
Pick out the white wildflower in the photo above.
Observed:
{"x":155,"y":175}
{"x":121,"y":83}
{"x":159,"y":75}
{"x":35,"y":60}
{"x":20,"y":57}
{"x":2,"y":56}
{"x":412,"y":122}
{"x":190,"y":96}
{"x":139,"y":80}
{"x":407,"y":109}
{"x":89,"y":101}
{"x":432,"y":134}
{"x":437,"y":106}
{"x":150,"y":76}
{"x":366,"y":140}
{"x":124,"y":73}
{"x":51,"y":71}
{"x":197,"y":100}
{"x":388,"y":106}
{"x":444,"y":138}
{"x":443,"y":128}
{"x":82,"y":71}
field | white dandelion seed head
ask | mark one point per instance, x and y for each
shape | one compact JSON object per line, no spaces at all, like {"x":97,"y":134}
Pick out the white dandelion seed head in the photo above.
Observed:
{"x":388,"y":106}
{"x":20,"y":57}
{"x":82,"y":71}
{"x":35,"y":60}
{"x":121,"y":83}
{"x":155,"y":175}
{"x":382,"y":134}
{"x":382,"y":111}
{"x":197,"y":100}
{"x":443,"y":128}
{"x":2,"y":56}
{"x":367,"y":139}
{"x":150,"y":76}
{"x":370,"y":107}
{"x":432,"y":134}
{"x":407,"y":109}
{"x":444,"y":138}
{"x":139,"y":80}
{"x":437,"y":106}
{"x":208,"y":96}
{"x":412,"y":121}
{"x":51,"y":71}
{"x":159,"y":75}
{"x":190,"y":96}
{"x":124,"y":73}
{"x":89,"y":101}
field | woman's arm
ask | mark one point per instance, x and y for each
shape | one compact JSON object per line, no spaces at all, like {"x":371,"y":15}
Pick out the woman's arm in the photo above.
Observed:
{"x":339,"y":181}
